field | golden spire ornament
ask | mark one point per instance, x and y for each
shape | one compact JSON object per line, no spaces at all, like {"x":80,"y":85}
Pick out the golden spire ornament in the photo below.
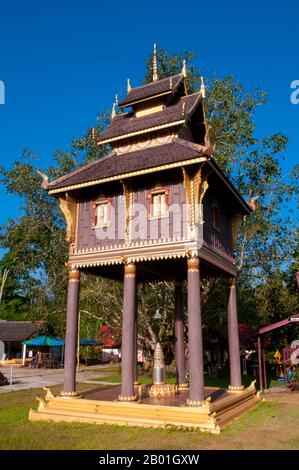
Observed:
{"x":116,"y":99}
{"x":202,"y":88}
{"x":113,"y":112}
{"x":184,"y":69}
{"x":155,"y":68}
{"x":129,"y":88}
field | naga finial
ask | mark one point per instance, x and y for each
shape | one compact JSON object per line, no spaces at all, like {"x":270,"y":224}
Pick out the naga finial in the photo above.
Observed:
{"x":129,"y":88}
{"x":155,"y":67}
{"x":202,"y":87}
{"x":113,"y":112}
{"x":184,"y":69}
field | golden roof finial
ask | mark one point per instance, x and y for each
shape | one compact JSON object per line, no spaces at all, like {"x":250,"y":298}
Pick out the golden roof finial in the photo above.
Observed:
{"x":155,"y":68}
{"x":116,"y":99}
{"x":129,"y":88}
{"x":184,"y":69}
{"x":113,"y":112}
{"x":202,"y":88}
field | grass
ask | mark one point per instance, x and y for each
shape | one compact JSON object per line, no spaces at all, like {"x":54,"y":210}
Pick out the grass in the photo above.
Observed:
{"x":271,"y":425}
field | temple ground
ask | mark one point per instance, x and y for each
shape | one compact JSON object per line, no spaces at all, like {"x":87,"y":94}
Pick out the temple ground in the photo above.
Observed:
{"x":271,"y":425}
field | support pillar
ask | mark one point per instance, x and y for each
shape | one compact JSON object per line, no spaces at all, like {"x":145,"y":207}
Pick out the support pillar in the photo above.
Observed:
{"x":24,"y":355}
{"x":233,"y":339}
{"x":128,"y":334}
{"x":259,"y":348}
{"x":71,"y":334}
{"x":196,"y":372}
{"x":135,"y":349}
{"x":179,"y":334}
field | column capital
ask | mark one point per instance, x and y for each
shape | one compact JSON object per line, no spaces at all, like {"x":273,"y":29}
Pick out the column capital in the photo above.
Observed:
{"x":74,"y":275}
{"x":193,"y":264}
{"x":232,"y":282}
{"x":130,"y":270}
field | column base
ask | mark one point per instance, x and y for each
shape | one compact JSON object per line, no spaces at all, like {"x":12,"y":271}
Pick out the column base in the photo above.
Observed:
{"x":183,"y":386}
{"x":70,"y":395}
{"x":236,"y":388}
{"x":131,"y":398}
{"x":195,"y":403}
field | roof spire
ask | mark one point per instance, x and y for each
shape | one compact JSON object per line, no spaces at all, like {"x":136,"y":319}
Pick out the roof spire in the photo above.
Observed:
{"x":155,"y":69}
{"x":184,"y":69}
{"x":116,"y":99}
{"x":129,"y":88}
{"x":113,"y":112}
{"x":202,"y":88}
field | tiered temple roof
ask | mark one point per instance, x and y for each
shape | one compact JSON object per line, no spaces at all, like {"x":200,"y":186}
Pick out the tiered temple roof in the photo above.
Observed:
{"x":164,"y":128}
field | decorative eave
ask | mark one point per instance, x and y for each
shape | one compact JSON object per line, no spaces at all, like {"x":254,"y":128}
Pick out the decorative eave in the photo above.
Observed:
{"x":142,"y":131}
{"x":152,"y":90}
{"x":123,"y":176}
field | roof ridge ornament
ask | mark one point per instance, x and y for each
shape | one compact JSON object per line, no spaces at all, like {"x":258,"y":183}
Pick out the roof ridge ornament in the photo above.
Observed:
{"x":155,"y":67}
{"x":202,"y":87}
{"x":129,"y":88}
{"x":113,"y":112}
{"x":184,"y":69}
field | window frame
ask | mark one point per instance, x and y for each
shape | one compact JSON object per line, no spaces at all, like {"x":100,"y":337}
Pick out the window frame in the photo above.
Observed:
{"x":158,"y":190}
{"x":95,"y":205}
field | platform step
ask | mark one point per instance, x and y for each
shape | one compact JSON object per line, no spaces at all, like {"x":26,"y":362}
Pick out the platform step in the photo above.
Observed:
{"x":211,"y":417}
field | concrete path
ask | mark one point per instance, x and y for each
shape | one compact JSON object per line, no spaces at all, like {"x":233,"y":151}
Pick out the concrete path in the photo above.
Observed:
{"x":26,"y":378}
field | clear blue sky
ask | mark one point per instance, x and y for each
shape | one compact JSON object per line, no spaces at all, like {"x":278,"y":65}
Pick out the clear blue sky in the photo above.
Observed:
{"x":63,"y":61}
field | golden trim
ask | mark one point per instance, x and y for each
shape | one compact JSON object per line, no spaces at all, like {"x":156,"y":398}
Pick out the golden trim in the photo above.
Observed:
{"x":195,"y":403}
{"x":128,"y":197}
{"x":193,"y":264}
{"x":130,"y":270}
{"x":142,"y":131}
{"x":74,"y":275}
{"x":236,"y":388}
{"x":68,"y":207}
{"x":191,"y":161}
{"x":63,"y":394}
{"x":130,"y":398}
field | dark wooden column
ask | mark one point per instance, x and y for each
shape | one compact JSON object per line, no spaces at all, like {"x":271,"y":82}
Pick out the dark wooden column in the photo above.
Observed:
{"x":135,"y":349}
{"x":179,"y":334}
{"x":196,"y":375}
{"x":233,"y":339}
{"x":128,"y":334}
{"x":71,"y":335}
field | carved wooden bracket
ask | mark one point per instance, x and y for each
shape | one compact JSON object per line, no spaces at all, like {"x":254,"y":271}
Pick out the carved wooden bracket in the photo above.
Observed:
{"x":128,"y":196}
{"x":195,"y":186}
{"x":68,"y":207}
{"x":236,"y":220}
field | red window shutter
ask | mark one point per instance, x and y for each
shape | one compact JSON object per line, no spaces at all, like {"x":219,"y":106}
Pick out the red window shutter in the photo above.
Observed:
{"x":166,"y":198}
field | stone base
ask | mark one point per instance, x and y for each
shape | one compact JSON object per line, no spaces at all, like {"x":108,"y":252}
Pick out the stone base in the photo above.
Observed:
{"x":195,"y":403}
{"x":130,"y":398}
{"x":70,"y":395}
{"x":163,"y":390}
{"x":183,"y":386}
{"x":236,"y":388}
{"x":213,"y":416}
